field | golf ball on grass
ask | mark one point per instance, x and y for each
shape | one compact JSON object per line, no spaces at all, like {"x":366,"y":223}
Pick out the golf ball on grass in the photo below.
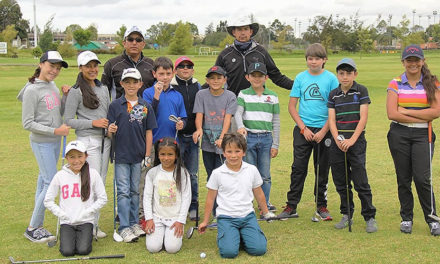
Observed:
{"x":203,"y":255}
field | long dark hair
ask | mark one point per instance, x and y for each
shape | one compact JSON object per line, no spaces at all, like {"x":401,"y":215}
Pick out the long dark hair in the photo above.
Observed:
{"x":429,"y":82}
{"x":90,"y":99}
{"x":177,"y":173}
{"x":36,"y":75}
{"x":85,"y":182}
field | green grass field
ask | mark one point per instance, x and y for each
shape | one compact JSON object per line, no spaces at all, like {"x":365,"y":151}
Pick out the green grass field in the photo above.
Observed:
{"x":293,"y":241}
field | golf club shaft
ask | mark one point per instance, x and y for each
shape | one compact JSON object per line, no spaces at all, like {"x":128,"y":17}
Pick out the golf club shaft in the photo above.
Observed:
{"x":348,"y":193}
{"x":430,"y":167}
{"x":66,"y":259}
{"x":317,"y":185}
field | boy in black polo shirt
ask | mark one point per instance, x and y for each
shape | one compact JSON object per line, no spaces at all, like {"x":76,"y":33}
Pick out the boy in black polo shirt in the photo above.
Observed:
{"x":132,"y":120}
{"x":347,"y":116}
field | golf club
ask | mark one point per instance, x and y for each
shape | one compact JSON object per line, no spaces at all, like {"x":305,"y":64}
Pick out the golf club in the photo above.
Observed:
{"x":174,"y":119}
{"x":13,"y":261}
{"x":190,"y":230}
{"x":116,"y":236}
{"x":102,"y":153}
{"x":431,"y":215}
{"x":270,"y":219}
{"x":54,"y":242}
{"x":342,"y":138}
{"x":315,"y":213}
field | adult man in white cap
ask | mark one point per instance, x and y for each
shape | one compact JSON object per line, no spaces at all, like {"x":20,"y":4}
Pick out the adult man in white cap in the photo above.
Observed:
{"x":132,"y":57}
{"x":244,"y":51}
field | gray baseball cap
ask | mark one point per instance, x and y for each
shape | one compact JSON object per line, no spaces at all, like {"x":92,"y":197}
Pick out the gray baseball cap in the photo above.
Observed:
{"x":347,"y":61}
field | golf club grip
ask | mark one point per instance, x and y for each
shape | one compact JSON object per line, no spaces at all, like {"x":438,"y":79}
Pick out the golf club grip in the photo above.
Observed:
{"x":430,"y":131}
{"x":64,"y":146}
{"x":109,"y":256}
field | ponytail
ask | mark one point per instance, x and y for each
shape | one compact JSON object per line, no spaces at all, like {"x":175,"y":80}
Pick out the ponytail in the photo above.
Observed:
{"x":36,"y":75}
{"x":429,"y":82}
{"x":90,"y":99}
{"x":85,"y":182}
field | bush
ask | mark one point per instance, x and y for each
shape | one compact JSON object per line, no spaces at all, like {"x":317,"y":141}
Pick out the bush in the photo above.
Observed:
{"x":37,"y":52}
{"x":67,"y":50}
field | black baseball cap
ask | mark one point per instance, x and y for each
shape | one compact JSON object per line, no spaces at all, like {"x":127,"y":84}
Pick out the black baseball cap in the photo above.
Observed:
{"x":257,"y":67}
{"x":413,"y":51}
{"x":216,"y":69}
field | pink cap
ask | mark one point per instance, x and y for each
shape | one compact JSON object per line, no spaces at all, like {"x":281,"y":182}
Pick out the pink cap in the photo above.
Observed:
{"x":182,"y":59}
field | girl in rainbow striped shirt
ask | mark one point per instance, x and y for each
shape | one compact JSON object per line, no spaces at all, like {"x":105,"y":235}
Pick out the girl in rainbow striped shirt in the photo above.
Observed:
{"x":413,"y":101}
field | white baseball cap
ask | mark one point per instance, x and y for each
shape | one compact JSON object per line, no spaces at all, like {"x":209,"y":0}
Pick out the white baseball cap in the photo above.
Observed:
{"x":53,"y":56}
{"x":87,"y":56}
{"x":131,"y":30}
{"x":76,"y":145}
{"x":131,"y":73}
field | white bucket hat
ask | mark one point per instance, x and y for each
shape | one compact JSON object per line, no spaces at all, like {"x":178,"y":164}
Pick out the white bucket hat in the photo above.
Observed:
{"x":244,"y":21}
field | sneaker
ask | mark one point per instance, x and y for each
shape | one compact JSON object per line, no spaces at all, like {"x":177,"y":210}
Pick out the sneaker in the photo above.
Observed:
{"x":137,"y":230}
{"x":193,"y":215}
{"x":324,"y":214}
{"x":435,"y":228}
{"x":406,"y":227}
{"x":39,"y":235}
{"x":128,"y":236}
{"x":371,"y":225}
{"x":99,"y":233}
{"x":271,"y":207}
{"x":344,"y":222}
{"x":288,"y":212}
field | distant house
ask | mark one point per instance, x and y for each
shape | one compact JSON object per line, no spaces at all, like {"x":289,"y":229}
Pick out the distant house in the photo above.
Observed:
{"x":93,"y":45}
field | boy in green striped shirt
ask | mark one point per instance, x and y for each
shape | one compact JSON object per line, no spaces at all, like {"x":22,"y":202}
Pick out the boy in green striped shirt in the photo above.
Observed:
{"x":258,"y":119}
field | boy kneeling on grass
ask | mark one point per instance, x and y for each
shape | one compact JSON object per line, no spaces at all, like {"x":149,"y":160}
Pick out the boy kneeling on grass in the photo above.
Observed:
{"x":235,"y":184}
{"x":347,"y":116}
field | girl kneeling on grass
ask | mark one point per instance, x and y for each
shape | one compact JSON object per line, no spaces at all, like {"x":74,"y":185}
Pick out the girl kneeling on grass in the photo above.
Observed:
{"x":82,"y":194}
{"x":42,"y":111}
{"x":167,"y":196}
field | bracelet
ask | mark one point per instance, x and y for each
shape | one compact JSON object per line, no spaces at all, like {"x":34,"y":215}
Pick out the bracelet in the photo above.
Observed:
{"x":302,"y":130}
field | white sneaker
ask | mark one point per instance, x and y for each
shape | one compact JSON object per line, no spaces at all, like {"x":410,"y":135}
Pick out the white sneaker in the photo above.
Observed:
{"x":99,"y":233}
{"x":137,"y":230}
{"x":128,"y":236}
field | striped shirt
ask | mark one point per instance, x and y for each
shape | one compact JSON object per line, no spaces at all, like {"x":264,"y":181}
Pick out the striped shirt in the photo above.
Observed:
{"x":258,"y":110}
{"x":409,"y":97}
{"x":347,"y":106}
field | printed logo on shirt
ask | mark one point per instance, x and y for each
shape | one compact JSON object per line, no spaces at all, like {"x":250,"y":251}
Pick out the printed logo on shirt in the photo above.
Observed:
{"x":51,"y":101}
{"x":137,"y":113}
{"x":65,"y":192}
{"x":268,"y":100}
{"x":167,"y":193}
{"x":312,"y":93}
{"x":234,"y":60}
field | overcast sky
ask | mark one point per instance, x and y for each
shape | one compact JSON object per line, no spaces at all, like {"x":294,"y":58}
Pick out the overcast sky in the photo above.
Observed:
{"x":109,"y":15}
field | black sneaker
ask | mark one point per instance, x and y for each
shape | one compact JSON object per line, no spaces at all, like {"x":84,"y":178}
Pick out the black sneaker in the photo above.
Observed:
{"x":38,"y":235}
{"x":435,"y":228}
{"x":288,"y":212}
{"x":271,"y":207}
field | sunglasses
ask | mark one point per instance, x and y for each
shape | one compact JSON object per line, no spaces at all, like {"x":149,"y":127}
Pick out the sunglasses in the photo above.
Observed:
{"x":181,"y":66}
{"x":130,"y":39}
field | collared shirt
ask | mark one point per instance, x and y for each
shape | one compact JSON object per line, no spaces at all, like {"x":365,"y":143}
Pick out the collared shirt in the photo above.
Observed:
{"x":258,"y":109}
{"x":132,"y":129}
{"x":347,"y":106}
{"x":235,"y":189}
{"x":409,"y":97}
{"x":170,"y":103}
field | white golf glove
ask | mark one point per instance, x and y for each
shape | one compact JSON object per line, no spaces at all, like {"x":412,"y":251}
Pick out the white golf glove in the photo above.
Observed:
{"x":147,"y":162}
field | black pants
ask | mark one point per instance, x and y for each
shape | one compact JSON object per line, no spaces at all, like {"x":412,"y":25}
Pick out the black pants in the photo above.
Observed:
{"x":302,"y":150}
{"x":410,"y":150}
{"x":76,"y":239}
{"x":357,"y":173}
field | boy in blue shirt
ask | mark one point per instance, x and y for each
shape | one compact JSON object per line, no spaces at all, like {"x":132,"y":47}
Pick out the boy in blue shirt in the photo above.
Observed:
{"x":132,"y":120}
{"x":311,"y":133}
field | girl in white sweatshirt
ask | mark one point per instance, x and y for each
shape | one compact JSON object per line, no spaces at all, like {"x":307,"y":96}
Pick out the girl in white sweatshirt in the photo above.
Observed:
{"x":82,"y":194}
{"x":167,"y":196}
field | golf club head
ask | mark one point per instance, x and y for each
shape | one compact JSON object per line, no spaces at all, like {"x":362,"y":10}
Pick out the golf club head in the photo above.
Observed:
{"x":52,"y":243}
{"x":174,"y":118}
{"x":117,"y":237}
{"x":11,"y":259}
{"x":190,"y":232}
{"x":315,"y":219}
{"x":436,"y":218}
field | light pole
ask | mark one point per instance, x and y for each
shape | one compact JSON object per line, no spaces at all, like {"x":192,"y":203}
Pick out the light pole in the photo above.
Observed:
{"x":35,"y":26}
{"x":420,"y":16}
{"x":390,"y":16}
{"x":414,"y":13}
{"x":435,"y":14}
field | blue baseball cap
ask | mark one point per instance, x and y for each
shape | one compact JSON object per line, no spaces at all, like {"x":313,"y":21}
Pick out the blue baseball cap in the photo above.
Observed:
{"x":413,"y":51}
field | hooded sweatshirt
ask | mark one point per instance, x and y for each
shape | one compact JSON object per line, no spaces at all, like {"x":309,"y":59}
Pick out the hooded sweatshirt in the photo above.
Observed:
{"x":72,"y":210}
{"x":41,"y":110}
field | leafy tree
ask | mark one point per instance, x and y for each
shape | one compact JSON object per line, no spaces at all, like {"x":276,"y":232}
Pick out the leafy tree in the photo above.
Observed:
{"x":364,"y":40}
{"x":226,"y":41}
{"x":281,"y":39}
{"x":8,"y":34}
{"x":166,"y":33}
{"x":10,"y":14}
{"x":66,"y":50}
{"x":214,"y":38}
{"x":93,"y":29}
{"x":46,"y":39}
{"x":82,"y":36}
{"x":37,"y":52}
{"x":194,"y":29}
{"x":72,"y":28}
{"x":414,"y":38}
{"x":120,"y":34}
{"x":209,"y":29}
{"x":433,"y":31}
{"x":402,"y":30}
{"x":221,"y":27}
{"x":182,"y":40}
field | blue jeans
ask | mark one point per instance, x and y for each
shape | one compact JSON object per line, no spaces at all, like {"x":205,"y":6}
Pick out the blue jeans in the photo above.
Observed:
{"x":233,"y":231}
{"x":127,"y":183}
{"x":258,"y":154}
{"x":189,"y":151}
{"x":47,"y":155}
